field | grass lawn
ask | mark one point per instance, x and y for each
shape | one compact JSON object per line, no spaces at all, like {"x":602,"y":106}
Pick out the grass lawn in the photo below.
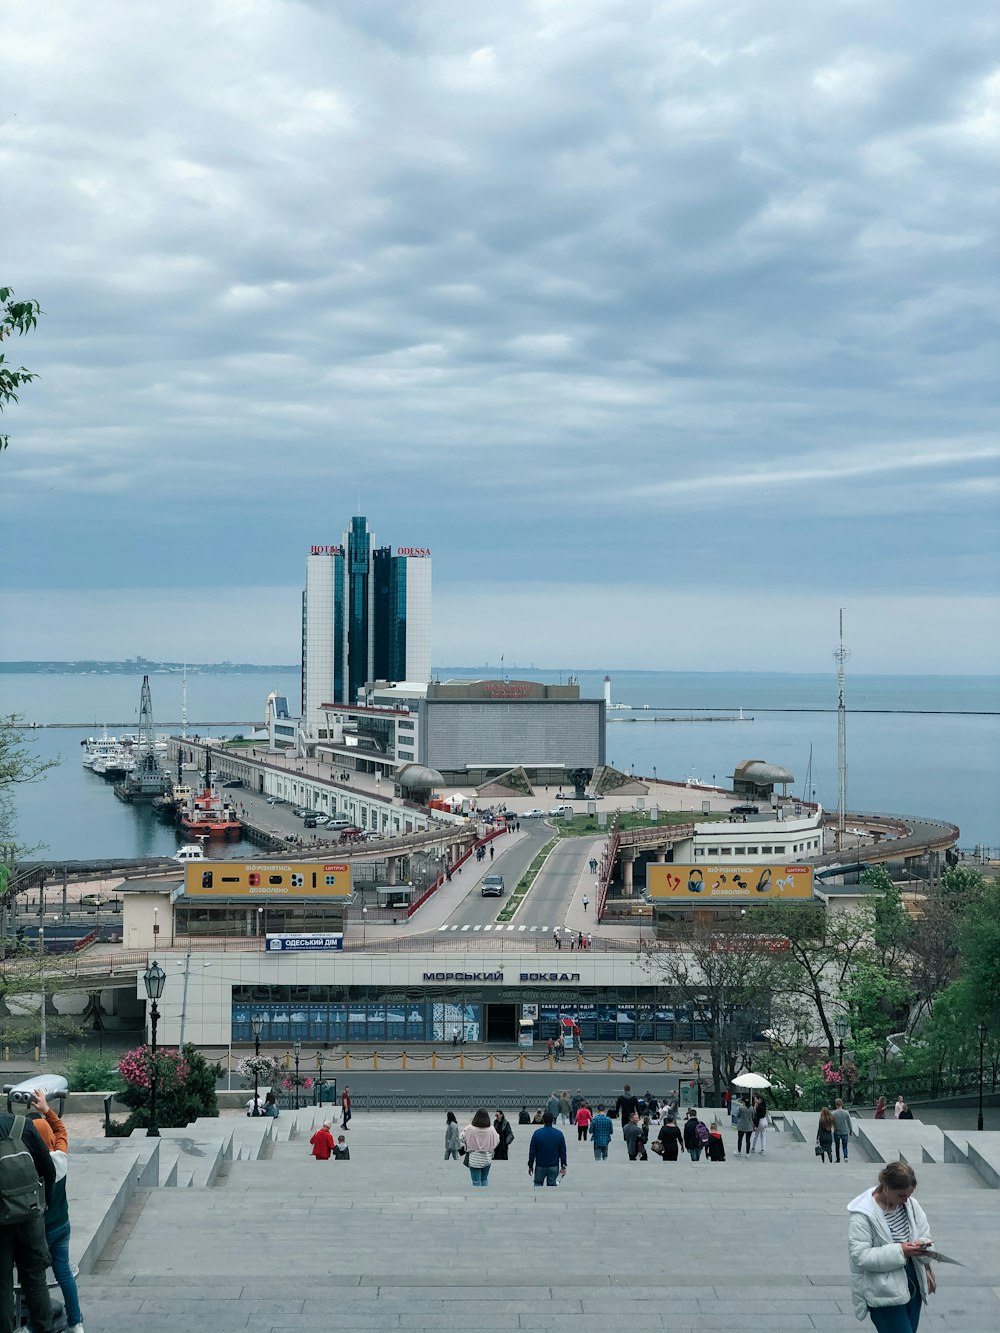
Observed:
{"x":583,"y":826}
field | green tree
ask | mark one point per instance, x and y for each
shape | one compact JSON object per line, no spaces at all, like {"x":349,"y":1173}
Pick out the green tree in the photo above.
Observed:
{"x":877,"y":1000}
{"x":18,"y":765}
{"x":727,"y":973}
{"x":962,"y":883}
{"x":891,"y":922}
{"x":18,"y":317}
{"x":979,"y":947}
{"x":823,"y":947}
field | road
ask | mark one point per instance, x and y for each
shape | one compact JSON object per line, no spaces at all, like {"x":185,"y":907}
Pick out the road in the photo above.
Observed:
{"x":547,"y":902}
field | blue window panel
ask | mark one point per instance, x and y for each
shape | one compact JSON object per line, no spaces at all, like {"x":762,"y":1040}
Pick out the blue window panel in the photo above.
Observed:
{"x":337,"y":1022}
{"x":300,"y":1023}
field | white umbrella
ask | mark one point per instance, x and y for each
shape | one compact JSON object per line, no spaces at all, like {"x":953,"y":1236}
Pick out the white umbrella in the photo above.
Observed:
{"x":751,"y":1081}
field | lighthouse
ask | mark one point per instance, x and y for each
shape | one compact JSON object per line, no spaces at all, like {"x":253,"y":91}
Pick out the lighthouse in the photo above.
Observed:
{"x":607,"y":691}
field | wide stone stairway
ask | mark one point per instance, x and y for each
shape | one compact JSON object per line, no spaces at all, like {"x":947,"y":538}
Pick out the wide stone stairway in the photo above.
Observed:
{"x":265,"y":1238}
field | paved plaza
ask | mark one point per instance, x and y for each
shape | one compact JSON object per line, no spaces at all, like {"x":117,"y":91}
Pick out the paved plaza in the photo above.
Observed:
{"x":232,"y":1225}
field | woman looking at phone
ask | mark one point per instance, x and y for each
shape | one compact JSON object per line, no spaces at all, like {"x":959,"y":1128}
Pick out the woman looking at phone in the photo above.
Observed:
{"x":890,"y":1277}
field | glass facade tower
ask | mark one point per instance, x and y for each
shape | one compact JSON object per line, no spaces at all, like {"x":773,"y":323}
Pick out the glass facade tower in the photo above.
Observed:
{"x":366,"y":614}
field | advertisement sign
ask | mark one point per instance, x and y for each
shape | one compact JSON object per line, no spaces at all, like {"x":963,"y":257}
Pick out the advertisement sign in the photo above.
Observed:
{"x":732,"y":883}
{"x":267,"y":879}
{"x":304,"y":943}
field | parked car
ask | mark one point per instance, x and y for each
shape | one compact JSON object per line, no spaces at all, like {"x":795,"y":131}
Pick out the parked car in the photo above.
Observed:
{"x":560,"y":810}
{"x":533,"y":814}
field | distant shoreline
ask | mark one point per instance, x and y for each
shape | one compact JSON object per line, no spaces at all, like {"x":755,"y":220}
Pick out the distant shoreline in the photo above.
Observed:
{"x":141,"y":667}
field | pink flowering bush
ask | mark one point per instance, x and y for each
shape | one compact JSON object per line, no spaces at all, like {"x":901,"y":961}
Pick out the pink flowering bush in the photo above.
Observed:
{"x":830,"y":1075}
{"x":185,"y":1087}
{"x":136,"y":1068}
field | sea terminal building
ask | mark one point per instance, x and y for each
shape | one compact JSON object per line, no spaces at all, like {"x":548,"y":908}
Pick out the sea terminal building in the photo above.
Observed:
{"x":375,"y":997}
{"x":284,"y":960}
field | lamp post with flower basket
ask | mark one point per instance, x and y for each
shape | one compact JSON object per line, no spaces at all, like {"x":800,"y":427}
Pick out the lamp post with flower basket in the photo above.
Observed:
{"x":154,"y":980}
{"x":257,"y":1025}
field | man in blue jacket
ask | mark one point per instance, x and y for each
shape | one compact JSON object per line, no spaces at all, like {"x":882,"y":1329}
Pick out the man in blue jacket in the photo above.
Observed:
{"x":547,"y":1153}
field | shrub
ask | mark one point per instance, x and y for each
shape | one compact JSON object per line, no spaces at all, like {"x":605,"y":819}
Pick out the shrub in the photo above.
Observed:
{"x":89,"y":1072}
{"x":185,"y":1089}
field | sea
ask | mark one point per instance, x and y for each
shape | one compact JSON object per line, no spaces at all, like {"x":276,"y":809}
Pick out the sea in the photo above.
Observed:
{"x":916,"y":745}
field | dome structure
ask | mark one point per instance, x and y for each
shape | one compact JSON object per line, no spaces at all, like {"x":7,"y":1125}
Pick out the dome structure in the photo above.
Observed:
{"x":417,"y":776}
{"x":754,"y":777}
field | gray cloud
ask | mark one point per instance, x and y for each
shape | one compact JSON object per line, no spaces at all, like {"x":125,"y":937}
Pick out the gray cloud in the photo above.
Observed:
{"x":530,"y":281}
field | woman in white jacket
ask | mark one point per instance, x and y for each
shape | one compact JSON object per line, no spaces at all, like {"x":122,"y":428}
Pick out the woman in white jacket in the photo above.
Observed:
{"x":890,"y":1278}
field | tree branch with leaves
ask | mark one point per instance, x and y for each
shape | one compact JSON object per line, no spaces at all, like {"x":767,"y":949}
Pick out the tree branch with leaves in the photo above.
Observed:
{"x":18,"y":317}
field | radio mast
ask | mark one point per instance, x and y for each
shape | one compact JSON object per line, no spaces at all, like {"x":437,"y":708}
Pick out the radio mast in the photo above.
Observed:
{"x":841,"y":656}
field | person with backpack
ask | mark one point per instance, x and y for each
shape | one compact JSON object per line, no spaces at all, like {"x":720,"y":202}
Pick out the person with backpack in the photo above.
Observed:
{"x":27,"y":1177}
{"x":692,"y":1139}
{"x":57,"y":1229}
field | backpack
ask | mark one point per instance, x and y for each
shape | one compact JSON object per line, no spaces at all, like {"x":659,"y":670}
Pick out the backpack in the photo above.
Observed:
{"x":701,"y":1129}
{"x":22,"y":1195}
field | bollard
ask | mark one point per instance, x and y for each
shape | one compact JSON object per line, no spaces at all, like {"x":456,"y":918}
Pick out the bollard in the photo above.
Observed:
{"x":579,"y":1060}
{"x":404,"y":1059}
{"x":347,"y":1059}
{"x":551,"y":1065}
{"x":374,"y":1059}
{"x":491,"y":1061}
{"x":609,"y":1064}
{"x":668,"y":1062}
{"x":461,"y":1060}
{"x":434,"y":1060}
{"x":521,"y":1059}
{"x":638,"y":1062}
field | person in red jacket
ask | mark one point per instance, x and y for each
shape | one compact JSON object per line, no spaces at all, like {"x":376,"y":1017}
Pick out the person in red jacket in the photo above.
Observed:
{"x":583,"y":1118}
{"x":322,"y":1143}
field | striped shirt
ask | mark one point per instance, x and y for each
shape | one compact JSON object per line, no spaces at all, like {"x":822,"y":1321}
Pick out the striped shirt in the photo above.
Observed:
{"x":898,"y":1222}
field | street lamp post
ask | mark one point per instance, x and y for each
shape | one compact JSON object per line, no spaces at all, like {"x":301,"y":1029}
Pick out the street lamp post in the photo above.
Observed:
{"x":319,"y":1066}
{"x":43,"y":1033}
{"x":257,"y":1024}
{"x":154,"y":980}
{"x":981,"y":1034}
{"x":840,"y":1024}
{"x":297,"y":1048}
{"x":364,"y":925}
{"x":696,"y":1062}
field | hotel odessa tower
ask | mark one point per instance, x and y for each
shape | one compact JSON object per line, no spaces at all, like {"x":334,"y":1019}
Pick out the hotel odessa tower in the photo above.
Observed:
{"x":366,"y":616}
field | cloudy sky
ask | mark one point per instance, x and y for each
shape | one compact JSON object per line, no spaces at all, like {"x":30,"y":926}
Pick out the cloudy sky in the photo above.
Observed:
{"x":669,"y":327}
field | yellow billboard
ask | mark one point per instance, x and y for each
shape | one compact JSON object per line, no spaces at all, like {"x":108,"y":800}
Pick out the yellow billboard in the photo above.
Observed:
{"x":728,"y":883}
{"x":267,"y":879}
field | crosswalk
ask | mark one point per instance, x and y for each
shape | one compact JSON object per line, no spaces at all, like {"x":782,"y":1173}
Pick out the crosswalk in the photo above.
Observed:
{"x":498,"y":928}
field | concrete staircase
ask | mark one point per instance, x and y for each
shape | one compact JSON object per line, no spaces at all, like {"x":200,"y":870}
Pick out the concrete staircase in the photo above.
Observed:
{"x":267,"y":1238}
